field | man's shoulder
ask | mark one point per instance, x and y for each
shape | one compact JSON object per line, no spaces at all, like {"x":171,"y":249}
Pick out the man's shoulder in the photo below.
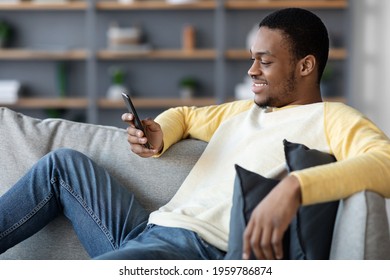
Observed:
{"x":340,"y":108}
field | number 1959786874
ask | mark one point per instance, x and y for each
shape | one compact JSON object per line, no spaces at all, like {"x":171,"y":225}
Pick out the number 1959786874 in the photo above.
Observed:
{"x":242,"y":270}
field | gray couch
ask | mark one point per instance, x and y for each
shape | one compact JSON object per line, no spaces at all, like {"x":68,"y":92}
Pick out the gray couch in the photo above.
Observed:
{"x":362,"y":227}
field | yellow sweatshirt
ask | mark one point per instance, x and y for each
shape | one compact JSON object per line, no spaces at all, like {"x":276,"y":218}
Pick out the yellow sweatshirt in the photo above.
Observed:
{"x":242,"y":133}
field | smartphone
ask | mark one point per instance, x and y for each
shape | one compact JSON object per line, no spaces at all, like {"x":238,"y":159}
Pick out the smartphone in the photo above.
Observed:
{"x":137,"y":121}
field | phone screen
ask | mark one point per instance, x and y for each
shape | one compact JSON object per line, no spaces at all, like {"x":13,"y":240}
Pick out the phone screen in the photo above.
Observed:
{"x":137,"y":121}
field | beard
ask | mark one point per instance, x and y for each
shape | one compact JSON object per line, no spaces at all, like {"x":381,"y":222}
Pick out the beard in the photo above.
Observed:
{"x":282,"y":96}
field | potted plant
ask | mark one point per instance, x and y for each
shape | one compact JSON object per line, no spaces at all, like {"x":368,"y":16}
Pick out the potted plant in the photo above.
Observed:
{"x":188,"y":86}
{"x":117,"y":86}
{"x":5,"y":33}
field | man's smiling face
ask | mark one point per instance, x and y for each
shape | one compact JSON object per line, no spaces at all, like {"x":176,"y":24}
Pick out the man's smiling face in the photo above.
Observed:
{"x":274,"y":70}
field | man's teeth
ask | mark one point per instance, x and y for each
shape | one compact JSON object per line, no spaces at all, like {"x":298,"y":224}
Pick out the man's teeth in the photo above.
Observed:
{"x":260,"y":85}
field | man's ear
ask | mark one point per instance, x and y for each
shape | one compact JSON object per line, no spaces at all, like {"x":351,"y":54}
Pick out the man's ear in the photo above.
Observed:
{"x":307,"y":65}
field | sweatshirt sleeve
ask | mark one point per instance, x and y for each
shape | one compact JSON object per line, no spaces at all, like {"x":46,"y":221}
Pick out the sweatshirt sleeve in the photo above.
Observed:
{"x":197,"y":122}
{"x":362,"y":151}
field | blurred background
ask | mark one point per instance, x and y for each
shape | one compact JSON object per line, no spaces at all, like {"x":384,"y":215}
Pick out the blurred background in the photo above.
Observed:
{"x":369,"y":62}
{"x":71,"y":59}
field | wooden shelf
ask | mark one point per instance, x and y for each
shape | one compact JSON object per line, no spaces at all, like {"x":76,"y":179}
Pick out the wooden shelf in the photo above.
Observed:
{"x":25,"y":54}
{"x":82,"y":103}
{"x":335,"y":54}
{"x":338,"y":54}
{"x":49,"y":103}
{"x":157,"y":54}
{"x":157,"y":103}
{"x":154,"y":5}
{"x":74,"y":5}
{"x":273,"y":4}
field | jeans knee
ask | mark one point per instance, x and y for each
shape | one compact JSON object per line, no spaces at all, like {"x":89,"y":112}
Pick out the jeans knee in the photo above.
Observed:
{"x":67,"y":155}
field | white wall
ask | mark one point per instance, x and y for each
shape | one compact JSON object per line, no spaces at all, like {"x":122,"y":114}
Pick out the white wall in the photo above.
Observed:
{"x":369,"y":61}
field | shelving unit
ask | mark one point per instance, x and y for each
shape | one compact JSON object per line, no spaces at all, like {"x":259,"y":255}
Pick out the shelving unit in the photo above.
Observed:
{"x":82,"y":103}
{"x":31,"y":6}
{"x":157,"y":103}
{"x":25,"y":54}
{"x":325,"y":4}
{"x":157,"y":54}
{"x":217,"y":58}
{"x":154,"y":5}
{"x":51,"y":103}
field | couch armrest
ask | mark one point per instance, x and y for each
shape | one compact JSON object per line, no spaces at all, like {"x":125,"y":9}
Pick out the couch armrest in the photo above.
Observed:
{"x":362,"y":228}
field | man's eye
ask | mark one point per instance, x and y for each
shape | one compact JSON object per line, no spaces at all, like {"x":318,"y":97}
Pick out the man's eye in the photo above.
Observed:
{"x":260,"y":61}
{"x":265,"y":62}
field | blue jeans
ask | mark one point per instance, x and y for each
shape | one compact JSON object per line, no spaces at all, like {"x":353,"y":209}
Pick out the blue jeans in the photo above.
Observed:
{"x":108,"y":220}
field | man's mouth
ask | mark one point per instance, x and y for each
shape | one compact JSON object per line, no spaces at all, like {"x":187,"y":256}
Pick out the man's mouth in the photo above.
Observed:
{"x":259,"y":84}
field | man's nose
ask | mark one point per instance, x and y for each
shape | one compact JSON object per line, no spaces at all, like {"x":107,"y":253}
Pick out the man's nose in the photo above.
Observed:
{"x":254,"y":70}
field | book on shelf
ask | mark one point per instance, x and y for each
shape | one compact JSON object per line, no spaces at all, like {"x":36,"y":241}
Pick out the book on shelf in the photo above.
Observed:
{"x":9,"y":91}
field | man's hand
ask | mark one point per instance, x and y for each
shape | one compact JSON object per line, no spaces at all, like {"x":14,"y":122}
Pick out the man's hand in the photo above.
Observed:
{"x":270,"y":219}
{"x":137,"y":139}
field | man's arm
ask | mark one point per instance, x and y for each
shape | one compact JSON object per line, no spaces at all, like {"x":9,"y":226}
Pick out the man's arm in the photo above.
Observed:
{"x":197,"y":122}
{"x":179,"y":123}
{"x":362,"y":151}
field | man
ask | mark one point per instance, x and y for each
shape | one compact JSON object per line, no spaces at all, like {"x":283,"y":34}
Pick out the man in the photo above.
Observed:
{"x":289,"y":55}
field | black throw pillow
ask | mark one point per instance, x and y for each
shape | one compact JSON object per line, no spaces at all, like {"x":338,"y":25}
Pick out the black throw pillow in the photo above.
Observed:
{"x":310,"y":233}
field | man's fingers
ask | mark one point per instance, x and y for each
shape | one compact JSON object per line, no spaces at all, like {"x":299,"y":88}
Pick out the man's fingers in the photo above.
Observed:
{"x":142,"y":151}
{"x":264,"y":243}
{"x":246,"y":247}
{"x":127,"y":117}
{"x":277,"y":244}
{"x":263,"y":248}
{"x":136,"y":140}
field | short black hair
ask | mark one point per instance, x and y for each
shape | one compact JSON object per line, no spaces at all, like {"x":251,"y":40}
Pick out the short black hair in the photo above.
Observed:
{"x":305,"y":31}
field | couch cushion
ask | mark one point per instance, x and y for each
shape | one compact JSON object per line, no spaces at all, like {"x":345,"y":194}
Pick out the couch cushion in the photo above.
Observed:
{"x":24,"y":140}
{"x":310,"y":232}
